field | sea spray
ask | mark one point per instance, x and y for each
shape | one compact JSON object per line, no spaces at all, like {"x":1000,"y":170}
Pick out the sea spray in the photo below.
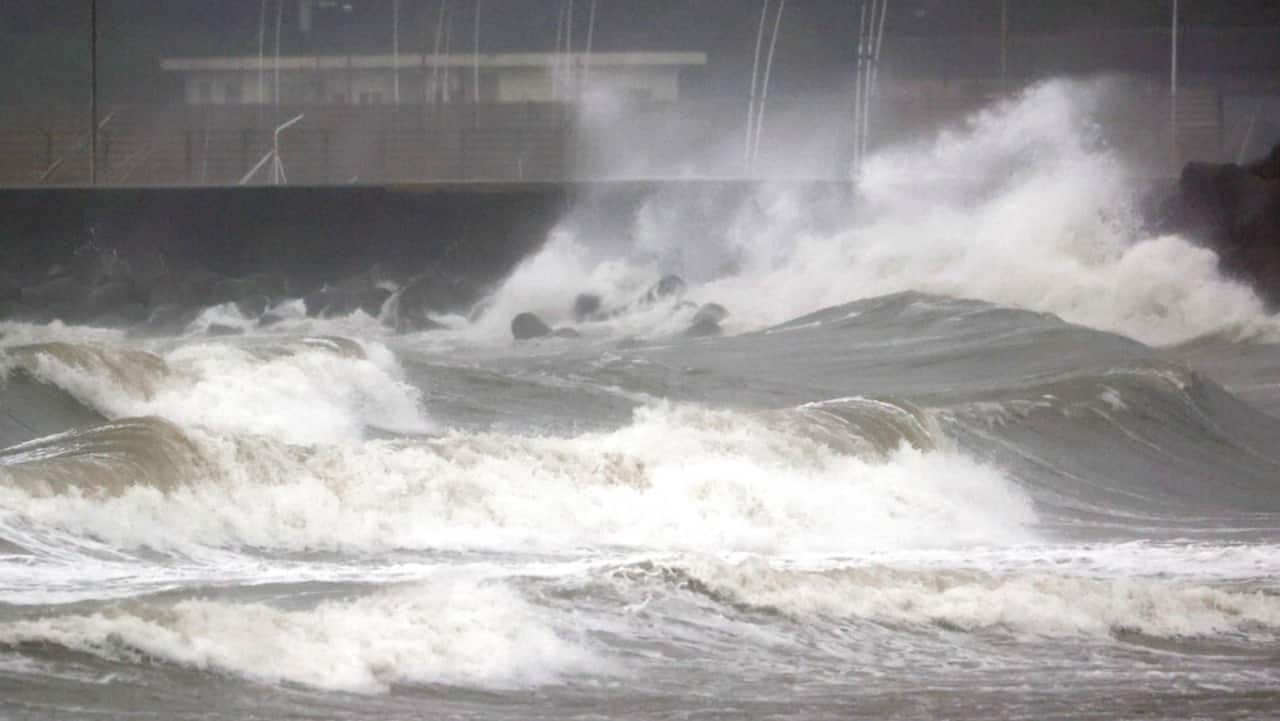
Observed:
{"x":1021,"y":205}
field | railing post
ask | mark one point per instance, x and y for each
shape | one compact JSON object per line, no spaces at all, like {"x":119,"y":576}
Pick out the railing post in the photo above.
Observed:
{"x":187,"y":150}
{"x":381,"y":150}
{"x":464,"y":148}
{"x":104,"y":173}
{"x":245,"y":140}
{"x":325,"y":144}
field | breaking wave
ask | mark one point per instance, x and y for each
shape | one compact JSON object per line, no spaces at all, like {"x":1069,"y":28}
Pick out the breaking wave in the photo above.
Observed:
{"x":1021,"y":206}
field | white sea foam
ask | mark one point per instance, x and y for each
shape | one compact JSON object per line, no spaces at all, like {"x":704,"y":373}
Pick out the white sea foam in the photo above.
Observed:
{"x":450,"y":630}
{"x":678,"y":477}
{"x":1021,"y":206}
{"x":305,"y":394}
{"x":1023,"y":601}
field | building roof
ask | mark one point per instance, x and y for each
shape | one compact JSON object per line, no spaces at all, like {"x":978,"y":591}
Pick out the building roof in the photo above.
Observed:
{"x":410,"y":60}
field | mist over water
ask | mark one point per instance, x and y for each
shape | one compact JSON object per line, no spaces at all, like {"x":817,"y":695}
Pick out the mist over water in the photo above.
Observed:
{"x":1023,"y":204}
{"x":947,"y":458}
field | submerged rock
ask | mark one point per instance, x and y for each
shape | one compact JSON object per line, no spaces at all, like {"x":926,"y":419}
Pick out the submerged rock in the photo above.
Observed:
{"x":586,"y":307}
{"x":218,"y":329}
{"x":410,"y":308}
{"x":166,"y":319}
{"x":667,"y":287}
{"x":706,"y":322}
{"x":528,"y":325}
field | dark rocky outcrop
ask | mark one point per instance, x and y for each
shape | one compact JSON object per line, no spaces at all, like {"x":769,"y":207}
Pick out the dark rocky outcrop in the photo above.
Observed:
{"x":218,"y":330}
{"x":431,"y":293}
{"x":144,"y":253}
{"x":668,"y":286}
{"x":586,"y":307}
{"x":1236,"y":211}
{"x":165,"y":319}
{"x":706,"y":321}
{"x":526,"y":326}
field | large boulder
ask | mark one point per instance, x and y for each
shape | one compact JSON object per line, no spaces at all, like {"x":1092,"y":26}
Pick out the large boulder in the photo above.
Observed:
{"x":191,"y":288}
{"x":528,"y":325}
{"x":58,"y":291}
{"x":166,"y":319}
{"x":669,"y":286}
{"x":1268,"y":167}
{"x":410,"y":308}
{"x":706,"y":321}
{"x":1236,"y":211}
{"x":586,"y":307}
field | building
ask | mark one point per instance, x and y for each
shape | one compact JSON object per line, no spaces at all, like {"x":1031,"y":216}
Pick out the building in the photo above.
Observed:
{"x":418,"y":78}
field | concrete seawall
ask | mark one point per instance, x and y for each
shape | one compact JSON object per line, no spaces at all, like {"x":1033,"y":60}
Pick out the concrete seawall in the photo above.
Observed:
{"x":316,"y":232}
{"x":310,"y":232}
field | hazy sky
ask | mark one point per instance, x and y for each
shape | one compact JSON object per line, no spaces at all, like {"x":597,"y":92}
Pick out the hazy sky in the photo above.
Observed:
{"x":43,"y":43}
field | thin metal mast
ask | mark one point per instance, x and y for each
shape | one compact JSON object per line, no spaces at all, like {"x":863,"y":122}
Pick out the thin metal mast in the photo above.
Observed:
{"x":751,"y":97}
{"x":93,"y":92}
{"x":764,"y":89}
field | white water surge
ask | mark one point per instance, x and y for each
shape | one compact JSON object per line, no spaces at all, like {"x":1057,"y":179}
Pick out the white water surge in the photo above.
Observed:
{"x":450,"y":630}
{"x":1022,"y":205}
{"x":678,"y":477}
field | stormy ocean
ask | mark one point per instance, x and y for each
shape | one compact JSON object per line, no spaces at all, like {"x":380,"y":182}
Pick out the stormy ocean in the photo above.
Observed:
{"x":975,"y":444}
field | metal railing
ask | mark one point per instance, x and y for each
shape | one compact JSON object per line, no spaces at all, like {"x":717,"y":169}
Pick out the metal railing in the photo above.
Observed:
{"x":229,"y":145}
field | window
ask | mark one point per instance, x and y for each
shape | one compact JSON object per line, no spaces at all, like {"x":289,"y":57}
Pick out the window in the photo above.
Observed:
{"x":204,"y":91}
{"x":233,"y":93}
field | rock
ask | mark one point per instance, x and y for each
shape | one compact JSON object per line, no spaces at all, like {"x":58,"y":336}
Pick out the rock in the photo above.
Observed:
{"x":253,"y":306}
{"x":527,"y":325}
{"x":1236,"y":211}
{"x":410,"y":308}
{"x":10,"y":291}
{"x":272,"y":285}
{"x":586,"y":307}
{"x":17,"y":310}
{"x":566,"y":333}
{"x":1269,"y":167}
{"x":112,"y":293}
{"x":58,"y":291}
{"x":668,"y":286}
{"x":372,"y":300}
{"x":706,"y":322}
{"x":124,"y":315}
{"x":168,"y":319}
{"x":218,"y":329}
{"x":326,"y":302}
{"x":435,"y":292}
{"x":191,"y":288}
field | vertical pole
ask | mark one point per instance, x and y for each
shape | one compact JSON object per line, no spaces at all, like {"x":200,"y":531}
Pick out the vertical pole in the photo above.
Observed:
{"x":556,"y":57}
{"x":764,"y":89}
{"x":591,"y":31}
{"x":751,"y":97}
{"x":262,"y":65}
{"x":858,"y":89}
{"x":568,"y":49}
{"x":475,"y":56}
{"x":873,"y":67}
{"x":1004,"y":46}
{"x":93,"y":92}
{"x":1173,"y":87}
{"x":435,"y":53}
{"x":275,"y":118}
{"x":395,"y":51}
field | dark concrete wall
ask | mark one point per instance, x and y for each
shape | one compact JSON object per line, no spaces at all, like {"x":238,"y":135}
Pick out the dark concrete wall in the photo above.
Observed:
{"x":305,"y":232}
